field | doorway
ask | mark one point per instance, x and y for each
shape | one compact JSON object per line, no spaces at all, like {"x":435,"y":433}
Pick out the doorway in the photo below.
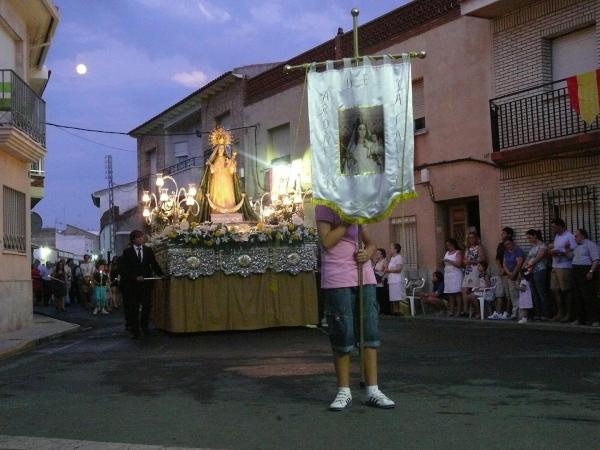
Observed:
{"x":463,"y":217}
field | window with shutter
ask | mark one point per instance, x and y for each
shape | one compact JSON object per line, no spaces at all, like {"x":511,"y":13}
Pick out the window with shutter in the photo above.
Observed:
{"x":224,"y":120}
{"x":14,"y":221}
{"x":418,"y":98}
{"x":574,"y":53}
{"x":151,"y":158}
{"x":279,"y":141}
{"x":181,"y":151}
{"x":8,"y":54}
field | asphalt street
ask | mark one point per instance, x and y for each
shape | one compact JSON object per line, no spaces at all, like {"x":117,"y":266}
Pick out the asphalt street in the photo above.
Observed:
{"x":457,"y":384}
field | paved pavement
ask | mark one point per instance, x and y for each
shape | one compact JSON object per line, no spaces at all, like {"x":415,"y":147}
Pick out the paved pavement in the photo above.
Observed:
{"x":42,"y":329}
{"x":458,"y":384}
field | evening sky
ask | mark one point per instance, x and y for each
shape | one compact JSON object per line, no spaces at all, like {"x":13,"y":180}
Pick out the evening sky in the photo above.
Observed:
{"x":144,"y":55}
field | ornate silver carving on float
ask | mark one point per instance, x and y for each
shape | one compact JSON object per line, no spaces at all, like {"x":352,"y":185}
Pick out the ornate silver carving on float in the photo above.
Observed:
{"x":302,"y":258}
{"x":187,"y":261}
{"x":193,"y":262}
{"x":245,"y":261}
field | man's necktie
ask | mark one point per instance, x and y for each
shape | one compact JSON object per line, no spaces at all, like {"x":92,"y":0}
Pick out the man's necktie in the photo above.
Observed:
{"x":139,"y":252}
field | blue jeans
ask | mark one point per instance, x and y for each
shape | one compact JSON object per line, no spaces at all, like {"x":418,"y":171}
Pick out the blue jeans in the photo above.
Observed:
{"x":343,"y":317}
{"x":539,"y":289}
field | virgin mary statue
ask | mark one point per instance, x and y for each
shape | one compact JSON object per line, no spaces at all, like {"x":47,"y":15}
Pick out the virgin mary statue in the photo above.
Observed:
{"x":220,"y":191}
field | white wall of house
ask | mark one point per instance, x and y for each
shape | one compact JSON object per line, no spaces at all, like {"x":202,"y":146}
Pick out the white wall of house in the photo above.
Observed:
{"x":125,"y":196}
{"x":77,"y":244}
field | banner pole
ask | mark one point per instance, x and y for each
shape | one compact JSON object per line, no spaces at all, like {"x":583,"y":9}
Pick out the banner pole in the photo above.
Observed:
{"x":361,"y":304}
{"x":355,"y":13}
{"x":361,"y":312}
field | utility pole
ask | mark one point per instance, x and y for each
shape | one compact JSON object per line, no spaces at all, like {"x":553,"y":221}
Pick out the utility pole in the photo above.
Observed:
{"x":108,"y":172}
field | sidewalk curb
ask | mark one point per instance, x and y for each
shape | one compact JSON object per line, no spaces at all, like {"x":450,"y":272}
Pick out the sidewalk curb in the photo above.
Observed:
{"x":510,"y":324}
{"x":32,"y":343}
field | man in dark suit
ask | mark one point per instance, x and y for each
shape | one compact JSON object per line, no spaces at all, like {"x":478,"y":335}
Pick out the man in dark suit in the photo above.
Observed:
{"x":136,"y":263}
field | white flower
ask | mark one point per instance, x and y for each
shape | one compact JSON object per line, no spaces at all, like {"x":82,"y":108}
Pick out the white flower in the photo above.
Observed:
{"x":297,"y":220}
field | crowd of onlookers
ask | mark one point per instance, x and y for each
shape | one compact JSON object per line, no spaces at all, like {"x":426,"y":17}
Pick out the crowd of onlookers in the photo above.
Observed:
{"x":552,"y":281}
{"x":94,"y":286}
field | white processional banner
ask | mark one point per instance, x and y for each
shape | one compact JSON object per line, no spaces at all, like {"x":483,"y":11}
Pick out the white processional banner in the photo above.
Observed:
{"x":361,"y":135}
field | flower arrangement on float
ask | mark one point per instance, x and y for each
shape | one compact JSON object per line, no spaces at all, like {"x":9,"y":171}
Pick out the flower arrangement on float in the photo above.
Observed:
{"x":211,"y":235}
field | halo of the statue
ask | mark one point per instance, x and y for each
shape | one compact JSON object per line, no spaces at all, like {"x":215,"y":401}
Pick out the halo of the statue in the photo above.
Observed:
{"x":220,"y":136}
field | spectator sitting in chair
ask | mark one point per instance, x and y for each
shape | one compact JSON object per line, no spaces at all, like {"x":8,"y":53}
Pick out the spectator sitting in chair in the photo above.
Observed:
{"x":436,"y":298}
{"x":484,"y":282}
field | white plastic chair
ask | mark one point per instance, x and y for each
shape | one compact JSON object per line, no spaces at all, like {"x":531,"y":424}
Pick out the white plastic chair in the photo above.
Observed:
{"x":484,"y":296}
{"x":416,"y":285}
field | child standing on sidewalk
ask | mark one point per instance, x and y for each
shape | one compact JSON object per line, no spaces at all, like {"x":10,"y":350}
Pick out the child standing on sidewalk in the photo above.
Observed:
{"x":101,"y":283}
{"x":525,"y":298}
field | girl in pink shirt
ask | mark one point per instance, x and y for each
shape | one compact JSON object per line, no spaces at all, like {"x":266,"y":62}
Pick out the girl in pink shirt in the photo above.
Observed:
{"x":341,"y":257}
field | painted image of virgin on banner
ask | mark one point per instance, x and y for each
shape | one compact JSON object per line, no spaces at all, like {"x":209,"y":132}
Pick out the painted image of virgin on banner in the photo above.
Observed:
{"x":361,"y":138}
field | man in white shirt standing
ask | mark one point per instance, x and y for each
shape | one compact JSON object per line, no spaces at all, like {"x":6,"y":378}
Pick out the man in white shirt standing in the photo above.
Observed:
{"x":85,"y":282}
{"x":561,"y":281}
{"x":46,"y":283}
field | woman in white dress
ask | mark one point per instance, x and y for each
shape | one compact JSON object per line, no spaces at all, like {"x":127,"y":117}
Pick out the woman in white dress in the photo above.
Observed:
{"x":474,"y":255}
{"x":453,"y":277}
{"x":396,"y":278}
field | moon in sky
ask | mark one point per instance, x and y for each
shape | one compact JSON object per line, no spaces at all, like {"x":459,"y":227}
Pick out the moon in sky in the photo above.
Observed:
{"x":81,"y":69}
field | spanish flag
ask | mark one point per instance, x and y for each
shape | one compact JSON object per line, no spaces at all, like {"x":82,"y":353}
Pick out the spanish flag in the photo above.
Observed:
{"x":584,"y":94}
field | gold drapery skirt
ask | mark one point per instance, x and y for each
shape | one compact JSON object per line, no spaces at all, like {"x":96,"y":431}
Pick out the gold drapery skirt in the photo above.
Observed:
{"x":231,"y":302}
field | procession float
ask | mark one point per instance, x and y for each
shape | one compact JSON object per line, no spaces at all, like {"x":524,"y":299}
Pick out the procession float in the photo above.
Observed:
{"x":232,"y":264}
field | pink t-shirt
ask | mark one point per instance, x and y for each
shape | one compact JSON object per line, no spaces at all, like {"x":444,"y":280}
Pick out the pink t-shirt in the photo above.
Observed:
{"x":338,"y":266}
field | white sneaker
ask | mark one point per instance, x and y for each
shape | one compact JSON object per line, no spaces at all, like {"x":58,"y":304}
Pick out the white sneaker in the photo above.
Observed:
{"x":342,"y":401}
{"x":95,"y":312}
{"x":494,"y":316}
{"x":504,"y":316}
{"x":104,"y":311}
{"x":379,"y":400}
{"x":523,"y":320}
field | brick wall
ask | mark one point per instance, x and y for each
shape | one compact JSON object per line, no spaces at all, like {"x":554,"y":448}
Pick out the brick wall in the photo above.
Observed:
{"x":522,"y":40}
{"x":522,"y":187}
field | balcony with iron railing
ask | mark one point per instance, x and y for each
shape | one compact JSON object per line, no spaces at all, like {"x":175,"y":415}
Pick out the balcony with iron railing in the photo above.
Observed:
{"x":537,"y":118}
{"x":21,"y":107}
